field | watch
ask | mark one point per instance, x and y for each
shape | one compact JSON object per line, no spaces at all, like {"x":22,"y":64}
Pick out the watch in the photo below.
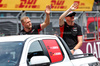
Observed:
{"x":73,"y":49}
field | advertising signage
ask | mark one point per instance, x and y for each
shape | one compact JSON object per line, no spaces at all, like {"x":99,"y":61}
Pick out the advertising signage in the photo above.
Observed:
{"x":40,"y":5}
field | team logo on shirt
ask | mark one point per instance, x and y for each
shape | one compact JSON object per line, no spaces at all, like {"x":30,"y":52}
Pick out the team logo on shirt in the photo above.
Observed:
{"x":75,"y":29}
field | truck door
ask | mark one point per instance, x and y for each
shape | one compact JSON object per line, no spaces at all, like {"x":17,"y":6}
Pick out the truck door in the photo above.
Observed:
{"x":49,"y":48}
{"x":36,"y":51}
{"x":55,"y":53}
{"x":54,"y":50}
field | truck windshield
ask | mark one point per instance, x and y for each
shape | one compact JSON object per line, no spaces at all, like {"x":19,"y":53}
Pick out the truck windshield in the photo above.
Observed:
{"x":10,"y":53}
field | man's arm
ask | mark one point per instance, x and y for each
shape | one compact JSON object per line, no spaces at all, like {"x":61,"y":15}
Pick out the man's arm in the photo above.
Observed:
{"x":61,"y":18}
{"x":79,"y":44}
{"x":47,"y":20}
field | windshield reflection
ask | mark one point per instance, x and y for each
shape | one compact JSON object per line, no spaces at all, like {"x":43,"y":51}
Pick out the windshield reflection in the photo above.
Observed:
{"x":10,"y":53}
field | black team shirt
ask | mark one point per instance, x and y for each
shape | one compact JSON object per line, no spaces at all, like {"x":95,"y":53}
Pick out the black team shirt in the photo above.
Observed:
{"x":35,"y":30}
{"x":70,"y":33}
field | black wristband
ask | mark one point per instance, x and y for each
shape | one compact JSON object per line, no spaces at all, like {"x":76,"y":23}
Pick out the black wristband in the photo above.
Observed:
{"x":73,"y":49}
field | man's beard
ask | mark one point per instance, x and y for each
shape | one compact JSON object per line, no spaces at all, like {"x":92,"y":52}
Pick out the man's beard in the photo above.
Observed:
{"x":29,"y":27}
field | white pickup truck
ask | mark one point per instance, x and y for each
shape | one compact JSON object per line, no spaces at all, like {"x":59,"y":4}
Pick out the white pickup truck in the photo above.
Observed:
{"x":40,"y":50}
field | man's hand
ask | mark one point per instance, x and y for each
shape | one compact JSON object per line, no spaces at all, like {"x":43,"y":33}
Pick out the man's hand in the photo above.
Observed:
{"x":47,"y":11}
{"x":74,"y":6}
{"x":72,"y":51}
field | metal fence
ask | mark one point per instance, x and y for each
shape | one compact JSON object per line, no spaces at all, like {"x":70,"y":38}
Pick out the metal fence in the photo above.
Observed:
{"x":89,"y":21}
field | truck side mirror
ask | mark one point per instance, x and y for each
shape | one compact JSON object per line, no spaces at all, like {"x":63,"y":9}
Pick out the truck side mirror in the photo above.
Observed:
{"x":39,"y":61}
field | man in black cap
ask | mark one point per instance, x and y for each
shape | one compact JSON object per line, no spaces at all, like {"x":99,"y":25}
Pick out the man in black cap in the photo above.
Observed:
{"x":70,"y":31}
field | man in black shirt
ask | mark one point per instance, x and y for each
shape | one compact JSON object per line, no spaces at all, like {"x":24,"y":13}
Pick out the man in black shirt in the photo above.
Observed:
{"x":70,"y":31}
{"x":29,"y":29}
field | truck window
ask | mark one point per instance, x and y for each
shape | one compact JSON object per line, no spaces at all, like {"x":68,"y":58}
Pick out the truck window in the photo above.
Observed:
{"x":34,"y":50}
{"x":10,"y":53}
{"x":54,"y":50}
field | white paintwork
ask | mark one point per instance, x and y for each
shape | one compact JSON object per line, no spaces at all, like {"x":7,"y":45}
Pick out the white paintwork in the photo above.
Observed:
{"x":30,"y":38}
{"x":40,"y":59}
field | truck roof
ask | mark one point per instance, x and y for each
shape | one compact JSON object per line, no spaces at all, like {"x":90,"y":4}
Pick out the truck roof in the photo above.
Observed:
{"x":21,"y":37}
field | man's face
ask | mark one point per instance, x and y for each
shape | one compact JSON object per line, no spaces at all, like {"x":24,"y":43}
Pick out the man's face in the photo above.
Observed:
{"x":27,"y":24}
{"x":69,"y":18}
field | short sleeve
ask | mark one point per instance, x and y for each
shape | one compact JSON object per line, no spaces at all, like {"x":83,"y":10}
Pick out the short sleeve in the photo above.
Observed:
{"x":38,"y":27}
{"x":79,"y":31}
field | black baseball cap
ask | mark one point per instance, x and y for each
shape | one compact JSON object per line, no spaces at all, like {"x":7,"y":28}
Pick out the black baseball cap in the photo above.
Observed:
{"x":70,"y":14}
